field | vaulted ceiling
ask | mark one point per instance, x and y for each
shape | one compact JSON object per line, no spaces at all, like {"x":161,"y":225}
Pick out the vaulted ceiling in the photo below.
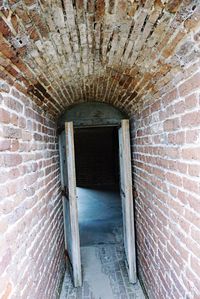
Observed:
{"x":120,"y":51}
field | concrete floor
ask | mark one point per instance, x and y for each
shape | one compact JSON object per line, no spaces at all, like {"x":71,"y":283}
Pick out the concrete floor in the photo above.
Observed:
{"x":100,"y":216}
{"x":102,"y":252}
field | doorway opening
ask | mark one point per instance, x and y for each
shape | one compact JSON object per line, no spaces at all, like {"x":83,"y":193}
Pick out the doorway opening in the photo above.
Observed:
{"x":97,"y":179}
{"x":95,"y":159}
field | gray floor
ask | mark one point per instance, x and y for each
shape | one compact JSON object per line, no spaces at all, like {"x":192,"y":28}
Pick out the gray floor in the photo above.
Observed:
{"x":100,"y":216}
{"x":102,"y":252}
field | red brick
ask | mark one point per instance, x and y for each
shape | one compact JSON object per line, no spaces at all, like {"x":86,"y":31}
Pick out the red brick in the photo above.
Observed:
{"x":4,"y":145}
{"x":13,"y":104}
{"x":189,"y":85}
{"x":4,"y":87}
{"x":181,"y":167}
{"x":179,"y":107}
{"x":191,"y":101}
{"x":174,"y":179}
{"x":14,"y":173}
{"x":191,"y":119}
{"x":171,"y":124}
{"x":22,"y":122}
{"x":191,"y":185}
{"x":192,"y":136}
{"x":4,"y":116}
{"x":195,"y":264}
{"x":193,"y":218}
{"x":194,"y":170}
{"x":156,"y":106}
{"x":25,"y":162}
{"x":169,"y":97}
{"x":12,"y":132}
{"x":14,"y":119}
{"x":194,"y":281}
{"x":147,"y":89}
{"x":14,"y":145}
{"x":172,"y":152}
{"x":12,"y":160}
{"x":177,"y":138}
{"x":195,"y":233}
{"x":191,"y":153}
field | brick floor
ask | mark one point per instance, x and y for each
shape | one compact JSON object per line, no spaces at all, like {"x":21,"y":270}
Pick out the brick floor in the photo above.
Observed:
{"x":104,"y":276}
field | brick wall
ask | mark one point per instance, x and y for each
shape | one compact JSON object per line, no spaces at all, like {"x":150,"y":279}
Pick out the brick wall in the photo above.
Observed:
{"x":126,"y":53}
{"x":31,"y":233}
{"x":166,"y":158}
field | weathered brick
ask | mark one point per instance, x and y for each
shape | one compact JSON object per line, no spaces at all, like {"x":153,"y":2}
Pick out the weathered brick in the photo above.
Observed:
{"x":191,"y":185}
{"x":191,"y":119}
{"x":177,"y":138}
{"x":191,"y":153}
{"x":189,"y":85}
{"x":12,"y":160}
{"x":10,"y":132}
{"x":169,"y":97}
{"x":171,"y":124}
{"x":174,"y":179}
{"x":195,"y":263}
{"x":14,"y":145}
{"x":13,"y":104}
{"x":4,"y":116}
{"x":191,"y":101}
{"x":192,"y":136}
{"x":23,"y":163}
{"x":5,"y":145}
{"x":4,"y":87}
{"x":141,"y":57}
{"x":194,"y":170}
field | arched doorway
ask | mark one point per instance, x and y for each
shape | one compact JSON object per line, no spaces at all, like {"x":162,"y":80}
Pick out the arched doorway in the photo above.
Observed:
{"x":94,"y":140}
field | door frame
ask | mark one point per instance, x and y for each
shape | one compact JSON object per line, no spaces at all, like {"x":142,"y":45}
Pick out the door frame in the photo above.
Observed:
{"x":126,"y":193}
{"x":69,"y":200}
{"x":128,"y":217}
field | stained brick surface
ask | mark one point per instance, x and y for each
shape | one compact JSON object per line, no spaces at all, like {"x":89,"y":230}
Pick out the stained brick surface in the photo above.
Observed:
{"x":166,"y":159}
{"x":140,"y":56}
{"x":31,"y":242}
{"x":123,"y":52}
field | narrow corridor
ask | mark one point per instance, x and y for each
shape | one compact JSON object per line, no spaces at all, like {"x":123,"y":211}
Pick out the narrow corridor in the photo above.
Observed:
{"x":102,"y":251}
{"x":75,"y":75}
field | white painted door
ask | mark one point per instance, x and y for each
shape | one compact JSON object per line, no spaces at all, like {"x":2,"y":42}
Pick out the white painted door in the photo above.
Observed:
{"x":127,"y":199}
{"x":69,"y":199}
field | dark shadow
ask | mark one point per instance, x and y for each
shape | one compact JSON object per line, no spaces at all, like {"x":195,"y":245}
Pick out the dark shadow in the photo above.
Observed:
{"x":97,"y":158}
{"x":97,"y":173}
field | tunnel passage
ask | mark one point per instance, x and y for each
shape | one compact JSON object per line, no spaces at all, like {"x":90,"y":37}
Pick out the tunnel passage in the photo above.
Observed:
{"x":99,"y":212}
{"x":96,"y":147}
{"x":140,"y":56}
{"x":97,"y":175}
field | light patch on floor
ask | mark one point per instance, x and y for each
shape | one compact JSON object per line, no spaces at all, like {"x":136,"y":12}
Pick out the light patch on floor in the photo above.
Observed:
{"x":104,"y":276}
{"x":100,"y":215}
{"x":102,"y":251}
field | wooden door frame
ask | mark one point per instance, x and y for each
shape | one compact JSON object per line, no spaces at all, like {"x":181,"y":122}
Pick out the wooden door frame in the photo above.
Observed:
{"x":72,"y":197}
{"x":127,"y":199}
{"x":128,"y":196}
{"x":69,"y":199}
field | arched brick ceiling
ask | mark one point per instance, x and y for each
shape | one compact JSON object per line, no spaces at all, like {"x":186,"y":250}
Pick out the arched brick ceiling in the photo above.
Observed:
{"x":66,"y":51}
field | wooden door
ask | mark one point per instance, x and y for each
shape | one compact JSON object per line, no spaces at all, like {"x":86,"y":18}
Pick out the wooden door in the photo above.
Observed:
{"x":127,"y":199}
{"x":69,"y":199}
